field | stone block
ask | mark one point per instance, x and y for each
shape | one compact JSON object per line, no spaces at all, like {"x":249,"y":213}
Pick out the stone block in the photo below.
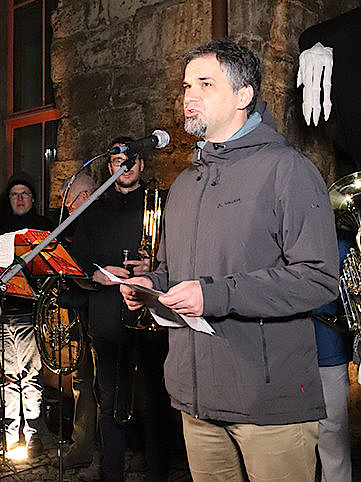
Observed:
{"x":66,"y":58}
{"x":60,"y":171}
{"x":188,"y":22}
{"x":251,"y":17}
{"x":109,"y":11}
{"x":89,"y":93}
{"x":68,"y":138}
{"x":107,"y":48}
{"x":126,"y":119}
{"x":69,"y":18}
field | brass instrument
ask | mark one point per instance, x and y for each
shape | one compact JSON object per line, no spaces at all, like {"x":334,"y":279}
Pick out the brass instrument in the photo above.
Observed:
{"x":149,"y":244}
{"x":151,"y":223}
{"x":127,"y":362}
{"x":345,"y":195}
{"x":58,"y":331}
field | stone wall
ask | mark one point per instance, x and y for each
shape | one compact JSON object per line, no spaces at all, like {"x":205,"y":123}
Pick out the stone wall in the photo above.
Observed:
{"x":116,"y":70}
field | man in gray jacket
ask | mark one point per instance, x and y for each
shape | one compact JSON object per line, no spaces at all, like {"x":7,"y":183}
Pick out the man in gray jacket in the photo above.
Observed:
{"x":257,"y":252}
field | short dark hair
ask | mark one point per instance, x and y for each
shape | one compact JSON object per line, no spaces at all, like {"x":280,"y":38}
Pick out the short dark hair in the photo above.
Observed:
{"x":124,"y":140}
{"x":121,"y":140}
{"x":241,"y":66}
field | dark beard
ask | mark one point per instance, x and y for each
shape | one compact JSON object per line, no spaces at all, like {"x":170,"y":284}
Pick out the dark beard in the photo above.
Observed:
{"x":120,"y":183}
{"x":195,"y":127}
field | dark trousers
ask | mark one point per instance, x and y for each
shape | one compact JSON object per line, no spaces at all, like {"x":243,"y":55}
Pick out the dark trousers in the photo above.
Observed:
{"x":85,"y":406}
{"x":113,"y":434}
{"x":114,"y":362}
{"x":152,"y":402}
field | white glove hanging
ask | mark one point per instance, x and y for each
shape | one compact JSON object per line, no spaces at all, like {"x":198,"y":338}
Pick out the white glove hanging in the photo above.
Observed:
{"x":312,"y":62}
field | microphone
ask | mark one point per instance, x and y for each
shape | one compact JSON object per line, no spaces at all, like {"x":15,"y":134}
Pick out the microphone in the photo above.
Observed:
{"x":158,"y":140}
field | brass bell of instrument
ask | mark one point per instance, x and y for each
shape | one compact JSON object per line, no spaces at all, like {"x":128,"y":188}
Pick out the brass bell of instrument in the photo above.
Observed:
{"x":58,"y":331}
{"x":345,"y":195}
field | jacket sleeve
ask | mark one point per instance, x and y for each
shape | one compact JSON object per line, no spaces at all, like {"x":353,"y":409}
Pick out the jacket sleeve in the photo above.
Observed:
{"x":306,"y":276}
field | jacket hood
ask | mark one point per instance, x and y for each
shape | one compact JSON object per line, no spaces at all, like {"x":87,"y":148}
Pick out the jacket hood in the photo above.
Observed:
{"x":264,"y":134}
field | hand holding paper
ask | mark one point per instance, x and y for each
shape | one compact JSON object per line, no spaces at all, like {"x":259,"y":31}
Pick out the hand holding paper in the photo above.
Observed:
{"x":161,"y":313}
{"x":185,"y":298}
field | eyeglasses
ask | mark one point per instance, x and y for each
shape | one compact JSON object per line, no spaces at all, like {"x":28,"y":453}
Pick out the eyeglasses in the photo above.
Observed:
{"x":76,"y":198}
{"x":118,"y":161}
{"x":13,"y":195}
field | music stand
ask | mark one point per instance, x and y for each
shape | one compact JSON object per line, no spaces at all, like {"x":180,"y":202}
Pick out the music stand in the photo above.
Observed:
{"x":52,"y":264}
{"x":19,"y":286}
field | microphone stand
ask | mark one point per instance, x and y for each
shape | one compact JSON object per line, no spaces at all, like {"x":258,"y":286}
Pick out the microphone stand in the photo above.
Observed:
{"x":20,"y":263}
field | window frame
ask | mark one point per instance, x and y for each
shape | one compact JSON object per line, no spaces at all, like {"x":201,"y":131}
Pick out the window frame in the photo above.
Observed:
{"x":37,"y":115}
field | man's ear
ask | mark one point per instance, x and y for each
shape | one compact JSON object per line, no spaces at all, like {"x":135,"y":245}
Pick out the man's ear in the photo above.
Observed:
{"x":141,"y":167}
{"x":110,"y":168}
{"x":245,"y":96}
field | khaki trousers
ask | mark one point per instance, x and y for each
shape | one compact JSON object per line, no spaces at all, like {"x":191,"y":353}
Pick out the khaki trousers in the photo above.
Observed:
{"x":271,"y":453}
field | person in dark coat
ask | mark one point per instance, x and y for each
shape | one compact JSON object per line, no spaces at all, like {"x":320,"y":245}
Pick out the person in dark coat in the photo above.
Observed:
{"x":111,"y":227}
{"x":22,"y":358}
{"x":248,"y":243}
{"x":334,"y":349}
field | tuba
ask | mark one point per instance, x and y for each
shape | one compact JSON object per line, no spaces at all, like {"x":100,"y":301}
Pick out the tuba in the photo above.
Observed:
{"x":345,"y":195}
{"x":58,"y":331}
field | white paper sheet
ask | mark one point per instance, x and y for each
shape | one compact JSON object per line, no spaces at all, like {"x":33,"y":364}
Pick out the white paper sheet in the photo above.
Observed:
{"x":163,"y":315}
{"x":7,"y":247}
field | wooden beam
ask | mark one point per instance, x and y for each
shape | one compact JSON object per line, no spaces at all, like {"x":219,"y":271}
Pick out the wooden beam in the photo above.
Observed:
{"x":219,"y":18}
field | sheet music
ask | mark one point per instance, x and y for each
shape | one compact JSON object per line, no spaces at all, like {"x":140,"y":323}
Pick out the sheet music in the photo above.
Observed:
{"x":7,"y":247}
{"x":163,"y":315}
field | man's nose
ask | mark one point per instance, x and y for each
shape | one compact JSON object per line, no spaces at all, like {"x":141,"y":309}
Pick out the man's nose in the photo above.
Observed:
{"x":191,"y":94}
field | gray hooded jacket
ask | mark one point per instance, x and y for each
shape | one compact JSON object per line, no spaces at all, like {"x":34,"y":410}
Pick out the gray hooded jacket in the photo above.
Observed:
{"x":251,"y":219}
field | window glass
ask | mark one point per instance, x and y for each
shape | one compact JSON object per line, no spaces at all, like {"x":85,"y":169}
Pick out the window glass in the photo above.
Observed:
{"x":27,"y":154}
{"x":32,"y":135}
{"x":28,"y":56}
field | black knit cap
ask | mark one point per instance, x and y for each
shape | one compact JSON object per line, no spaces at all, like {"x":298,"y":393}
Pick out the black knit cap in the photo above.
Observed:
{"x":21,"y":178}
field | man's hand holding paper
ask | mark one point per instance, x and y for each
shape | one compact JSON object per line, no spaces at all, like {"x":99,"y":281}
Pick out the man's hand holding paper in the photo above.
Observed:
{"x":134,"y":299}
{"x":185,"y":298}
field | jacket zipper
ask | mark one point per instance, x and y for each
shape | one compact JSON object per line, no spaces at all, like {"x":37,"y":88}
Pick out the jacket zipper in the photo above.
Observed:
{"x":264,"y":351}
{"x":194,"y":371}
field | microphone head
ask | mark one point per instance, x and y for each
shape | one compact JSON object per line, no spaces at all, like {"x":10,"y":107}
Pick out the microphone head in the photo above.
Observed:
{"x":118,"y":149}
{"x":163,"y":138}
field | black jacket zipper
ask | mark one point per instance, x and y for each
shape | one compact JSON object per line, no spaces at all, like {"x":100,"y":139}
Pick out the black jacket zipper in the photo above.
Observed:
{"x":264,"y":351}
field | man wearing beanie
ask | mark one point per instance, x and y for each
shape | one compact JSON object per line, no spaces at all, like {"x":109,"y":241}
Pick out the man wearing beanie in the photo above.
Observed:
{"x":21,"y":213}
{"x":22,"y":359}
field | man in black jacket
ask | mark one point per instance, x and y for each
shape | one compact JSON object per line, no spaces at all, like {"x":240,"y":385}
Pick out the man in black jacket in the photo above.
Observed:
{"x":111,"y":226}
{"x":22,"y":358}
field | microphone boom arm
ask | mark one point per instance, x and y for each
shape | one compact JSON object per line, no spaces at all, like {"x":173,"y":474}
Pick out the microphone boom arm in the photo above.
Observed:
{"x":17,"y":266}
